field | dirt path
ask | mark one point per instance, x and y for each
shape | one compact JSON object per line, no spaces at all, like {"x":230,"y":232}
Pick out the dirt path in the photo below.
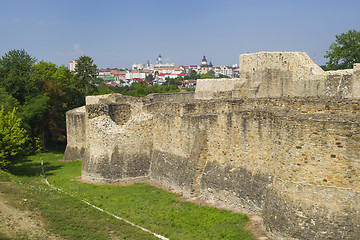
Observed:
{"x":16,"y":223}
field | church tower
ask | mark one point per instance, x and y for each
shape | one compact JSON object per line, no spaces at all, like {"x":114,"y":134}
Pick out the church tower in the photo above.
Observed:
{"x":204,"y":66}
{"x":159,"y":60}
{"x":204,"y":62}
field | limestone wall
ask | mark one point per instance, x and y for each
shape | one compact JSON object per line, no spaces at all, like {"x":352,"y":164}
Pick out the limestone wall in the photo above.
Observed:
{"x":197,"y":151}
{"x":75,"y":132}
{"x":282,"y":74}
{"x":118,"y":139}
{"x":221,"y":88}
{"x":295,"y":159}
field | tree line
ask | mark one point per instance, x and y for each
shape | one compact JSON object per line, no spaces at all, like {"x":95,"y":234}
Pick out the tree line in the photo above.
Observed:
{"x":35,"y":96}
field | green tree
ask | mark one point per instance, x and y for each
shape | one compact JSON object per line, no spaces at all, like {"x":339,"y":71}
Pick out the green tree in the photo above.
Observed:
{"x":153,"y":89}
{"x":193,"y":75}
{"x":137,"y":89}
{"x":97,"y":81}
{"x":345,"y":51}
{"x":223,"y":76}
{"x":156,"y":74}
{"x":86,"y":72}
{"x":102,"y":88}
{"x":15,"y":69}
{"x":13,"y":138}
{"x":57,"y":92}
{"x":7,"y":101}
{"x":173,"y":81}
{"x":72,"y":87}
{"x":149,"y":77}
{"x":206,"y":76}
{"x":42,"y":93}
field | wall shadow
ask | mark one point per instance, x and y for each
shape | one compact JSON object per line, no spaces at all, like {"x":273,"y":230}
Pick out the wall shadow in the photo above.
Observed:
{"x":26,"y":167}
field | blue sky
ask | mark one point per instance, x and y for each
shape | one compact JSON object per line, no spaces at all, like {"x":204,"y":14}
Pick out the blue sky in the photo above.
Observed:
{"x":120,"y":33}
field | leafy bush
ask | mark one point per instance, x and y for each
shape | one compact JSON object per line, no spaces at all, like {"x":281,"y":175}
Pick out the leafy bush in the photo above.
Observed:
{"x":13,"y":138}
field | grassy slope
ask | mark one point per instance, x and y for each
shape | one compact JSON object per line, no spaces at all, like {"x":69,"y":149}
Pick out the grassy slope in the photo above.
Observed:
{"x":145,"y":205}
{"x":63,"y":215}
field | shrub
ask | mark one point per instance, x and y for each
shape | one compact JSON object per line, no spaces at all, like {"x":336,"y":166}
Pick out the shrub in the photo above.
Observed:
{"x":13,"y":138}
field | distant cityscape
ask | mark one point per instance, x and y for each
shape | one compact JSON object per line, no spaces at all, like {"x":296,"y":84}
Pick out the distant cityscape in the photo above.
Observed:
{"x":161,"y":72}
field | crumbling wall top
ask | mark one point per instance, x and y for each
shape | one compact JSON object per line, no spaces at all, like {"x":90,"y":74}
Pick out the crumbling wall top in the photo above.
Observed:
{"x":297,"y":62}
{"x":282,"y":74}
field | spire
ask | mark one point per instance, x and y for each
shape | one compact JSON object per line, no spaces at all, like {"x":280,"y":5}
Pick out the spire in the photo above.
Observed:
{"x":158,"y":60}
{"x":204,"y":62}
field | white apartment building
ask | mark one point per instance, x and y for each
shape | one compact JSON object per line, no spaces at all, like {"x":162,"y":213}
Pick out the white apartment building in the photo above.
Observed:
{"x":168,"y":69}
{"x":135,"y":74}
{"x":224,"y":70}
{"x":72,"y":65}
{"x":138,"y":66}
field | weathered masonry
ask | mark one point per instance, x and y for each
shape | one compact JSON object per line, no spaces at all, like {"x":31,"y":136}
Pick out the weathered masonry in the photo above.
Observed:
{"x":283,"y":139}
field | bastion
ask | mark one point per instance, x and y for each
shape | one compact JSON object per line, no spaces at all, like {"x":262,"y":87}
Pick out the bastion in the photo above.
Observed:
{"x":282,"y":139}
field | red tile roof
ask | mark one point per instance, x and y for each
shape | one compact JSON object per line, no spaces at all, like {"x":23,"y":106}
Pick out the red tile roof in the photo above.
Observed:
{"x":174,"y":67}
{"x":188,"y":81}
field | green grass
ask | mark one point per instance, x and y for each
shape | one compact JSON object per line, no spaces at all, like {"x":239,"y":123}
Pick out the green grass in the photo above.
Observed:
{"x":145,"y":205}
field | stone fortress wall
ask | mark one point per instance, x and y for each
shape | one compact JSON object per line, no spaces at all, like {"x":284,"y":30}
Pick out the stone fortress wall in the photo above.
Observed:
{"x":283,"y":139}
{"x":282,"y":74}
